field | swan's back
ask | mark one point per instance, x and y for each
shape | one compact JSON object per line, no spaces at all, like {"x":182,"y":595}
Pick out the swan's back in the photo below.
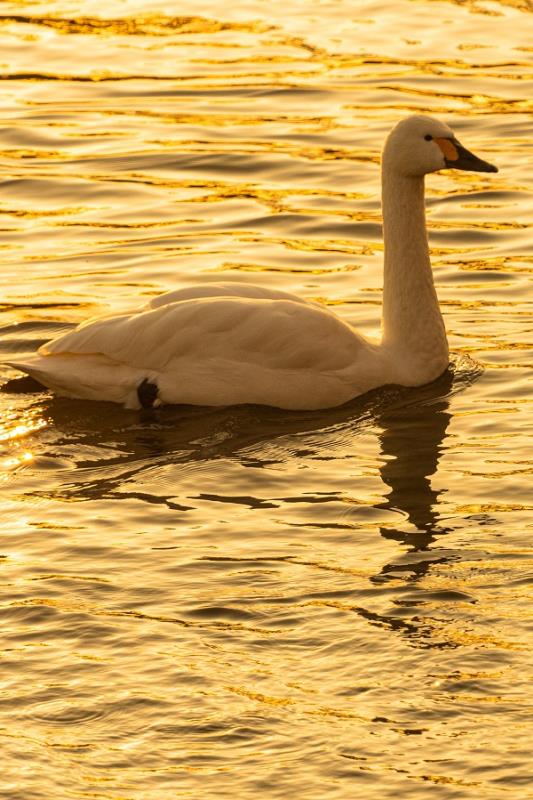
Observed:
{"x":225,"y":289}
{"x":279,"y":334}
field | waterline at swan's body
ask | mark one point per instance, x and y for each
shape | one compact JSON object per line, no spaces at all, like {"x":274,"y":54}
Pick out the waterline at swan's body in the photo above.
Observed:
{"x":229,"y":343}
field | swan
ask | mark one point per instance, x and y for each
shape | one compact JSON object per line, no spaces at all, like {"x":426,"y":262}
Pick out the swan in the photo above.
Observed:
{"x":231,"y":343}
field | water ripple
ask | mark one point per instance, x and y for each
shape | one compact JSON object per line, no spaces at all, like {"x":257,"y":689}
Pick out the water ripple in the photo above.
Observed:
{"x":226,"y":600}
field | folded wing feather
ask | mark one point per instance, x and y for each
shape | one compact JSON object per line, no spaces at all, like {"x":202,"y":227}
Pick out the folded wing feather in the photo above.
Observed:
{"x":280,"y":334}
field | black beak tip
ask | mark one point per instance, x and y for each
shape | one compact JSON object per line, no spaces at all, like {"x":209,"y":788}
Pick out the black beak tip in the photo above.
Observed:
{"x":468,"y":161}
{"x":482,"y":166}
{"x":471,"y":163}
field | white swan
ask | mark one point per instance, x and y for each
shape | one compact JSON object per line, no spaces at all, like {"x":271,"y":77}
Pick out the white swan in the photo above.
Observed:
{"x":229,"y":343}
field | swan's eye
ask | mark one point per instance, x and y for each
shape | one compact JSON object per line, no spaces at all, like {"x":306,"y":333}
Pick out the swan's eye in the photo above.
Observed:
{"x":428,"y":137}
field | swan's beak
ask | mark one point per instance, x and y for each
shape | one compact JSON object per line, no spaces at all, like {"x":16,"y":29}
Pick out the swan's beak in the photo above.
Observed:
{"x":458,"y":157}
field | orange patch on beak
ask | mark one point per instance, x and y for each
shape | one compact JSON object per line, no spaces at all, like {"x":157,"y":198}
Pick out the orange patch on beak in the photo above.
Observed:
{"x":448,"y":149}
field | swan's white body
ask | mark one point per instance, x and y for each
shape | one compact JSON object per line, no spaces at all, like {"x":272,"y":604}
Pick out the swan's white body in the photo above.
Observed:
{"x":230,"y":343}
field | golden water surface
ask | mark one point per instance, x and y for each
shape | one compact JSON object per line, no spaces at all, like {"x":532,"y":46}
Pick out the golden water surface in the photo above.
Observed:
{"x":244,"y":602}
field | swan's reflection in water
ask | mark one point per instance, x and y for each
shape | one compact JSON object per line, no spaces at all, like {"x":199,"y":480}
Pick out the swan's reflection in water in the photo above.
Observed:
{"x":118,"y":453}
{"x":178,"y":464}
{"x":412,"y":441}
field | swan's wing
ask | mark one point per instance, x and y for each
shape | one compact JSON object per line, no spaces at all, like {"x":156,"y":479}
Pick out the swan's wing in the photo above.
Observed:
{"x":213,"y":351}
{"x":275,"y":334}
{"x":223,"y":289}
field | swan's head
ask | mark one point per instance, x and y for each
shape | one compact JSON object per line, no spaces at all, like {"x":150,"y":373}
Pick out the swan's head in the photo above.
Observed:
{"x":420,"y":144}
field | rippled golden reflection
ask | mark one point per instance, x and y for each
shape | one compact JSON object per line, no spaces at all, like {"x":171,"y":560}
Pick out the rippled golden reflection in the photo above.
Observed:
{"x":241,"y":601}
{"x":14,"y":426}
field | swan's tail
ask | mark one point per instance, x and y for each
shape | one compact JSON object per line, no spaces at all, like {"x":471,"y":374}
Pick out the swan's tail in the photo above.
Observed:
{"x":85,"y":376}
{"x":31,"y":366}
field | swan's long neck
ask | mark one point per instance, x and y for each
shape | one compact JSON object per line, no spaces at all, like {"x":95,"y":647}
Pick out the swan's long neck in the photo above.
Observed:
{"x":413,"y":328}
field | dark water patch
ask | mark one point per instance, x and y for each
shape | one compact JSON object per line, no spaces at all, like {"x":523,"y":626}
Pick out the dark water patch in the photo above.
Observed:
{"x":220,"y":612}
{"x":94,"y":77}
{"x":251,"y":502}
{"x":430,"y":597}
{"x":37,"y":304}
{"x":26,"y":385}
{"x":149,"y":24}
{"x":479,"y":196}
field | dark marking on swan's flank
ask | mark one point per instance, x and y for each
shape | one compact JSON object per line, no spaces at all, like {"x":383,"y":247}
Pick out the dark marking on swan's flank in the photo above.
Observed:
{"x":147,"y":393}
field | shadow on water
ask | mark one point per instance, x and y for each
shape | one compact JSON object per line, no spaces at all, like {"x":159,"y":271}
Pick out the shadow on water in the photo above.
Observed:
{"x":412,"y":441}
{"x":114,"y":447}
{"x":123,"y":455}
